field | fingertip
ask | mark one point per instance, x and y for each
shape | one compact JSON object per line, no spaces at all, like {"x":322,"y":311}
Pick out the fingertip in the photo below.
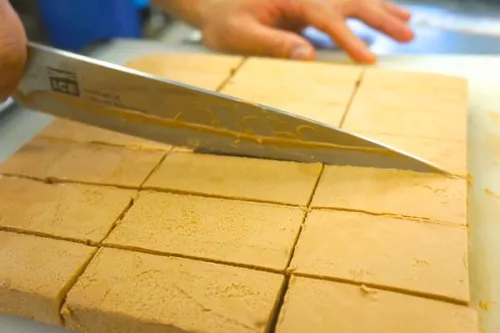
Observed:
{"x":362,"y":54}
{"x":359,"y":52}
{"x":302,"y":52}
{"x":407,"y":35}
{"x":368,"y":58}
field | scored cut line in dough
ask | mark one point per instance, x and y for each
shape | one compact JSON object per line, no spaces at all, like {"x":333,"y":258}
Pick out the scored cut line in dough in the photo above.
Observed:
{"x":324,"y":306}
{"x":96,"y":164}
{"x":321,"y":92}
{"x":236,"y":232}
{"x":392,"y":253}
{"x":83,"y":213}
{"x":235,"y":177}
{"x":204,"y":71}
{"x":422,"y":196}
{"x":35,"y":274}
{"x":147,"y":293}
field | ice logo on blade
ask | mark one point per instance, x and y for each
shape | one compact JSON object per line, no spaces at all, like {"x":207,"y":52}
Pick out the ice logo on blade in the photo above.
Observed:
{"x":63,"y":81}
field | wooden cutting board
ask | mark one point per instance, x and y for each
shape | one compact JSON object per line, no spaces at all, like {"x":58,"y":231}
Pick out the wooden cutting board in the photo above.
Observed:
{"x":102,"y":232}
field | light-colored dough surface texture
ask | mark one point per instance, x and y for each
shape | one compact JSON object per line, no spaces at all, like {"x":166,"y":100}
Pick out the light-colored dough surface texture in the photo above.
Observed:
{"x":323,"y":307}
{"x":244,"y":178}
{"x":451,"y":155}
{"x":79,"y":212}
{"x":235,"y":232}
{"x":123,"y":291}
{"x":422,"y":196}
{"x":414,"y":112}
{"x":314,"y":90}
{"x":97,"y":164}
{"x":416,"y":91}
{"x":35,"y":274}
{"x":201,"y":70}
{"x":186,"y":242}
{"x":423,"y":258}
{"x":73,"y":131}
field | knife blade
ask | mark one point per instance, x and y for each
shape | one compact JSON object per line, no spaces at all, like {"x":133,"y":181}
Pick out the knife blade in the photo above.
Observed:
{"x":108,"y":96}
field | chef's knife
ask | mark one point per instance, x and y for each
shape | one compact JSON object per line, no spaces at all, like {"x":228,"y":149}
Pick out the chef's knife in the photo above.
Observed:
{"x":97,"y":93}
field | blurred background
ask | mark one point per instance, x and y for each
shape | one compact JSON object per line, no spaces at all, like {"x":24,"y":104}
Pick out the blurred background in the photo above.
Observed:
{"x":442,"y":26}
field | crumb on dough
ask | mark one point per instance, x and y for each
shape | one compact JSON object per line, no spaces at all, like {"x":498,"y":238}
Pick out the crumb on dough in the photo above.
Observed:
{"x":305,"y":209}
{"x":486,"y":305}
{"x":419,"y":263}
{"x":491,"y":193}
{"x":367,"y":290}
{"x":470,"y":180}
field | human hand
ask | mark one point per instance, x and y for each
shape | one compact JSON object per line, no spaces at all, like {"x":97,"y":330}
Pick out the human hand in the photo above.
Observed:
{"x":12,"y":49}
{"x":272,"y":27}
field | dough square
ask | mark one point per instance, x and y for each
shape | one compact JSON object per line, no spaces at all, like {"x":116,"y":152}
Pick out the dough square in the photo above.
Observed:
{"x":449,"y":155}
{"x":236,"y":232}
{"x":98,"y":164}
{"x":237,"y":177}
{"x":258,"y":69}
{"x":77,"y":132}
{"x":369,"y":117}
{"x":409,"y":104}
{"x":36,"y":273}
{"x":424,"y":258}
{"x":323,"y":307}
{"x":317,"y":91}
{"x":319,"y":103}
{"x":417,"y":91}
{"x":74,"y":211}
{"x":425,"y":196}
{"x":147,"y":293}
{"x":201,"y":70}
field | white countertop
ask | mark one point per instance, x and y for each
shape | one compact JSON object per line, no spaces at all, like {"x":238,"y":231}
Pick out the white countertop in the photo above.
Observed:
{"x":483,"y":73}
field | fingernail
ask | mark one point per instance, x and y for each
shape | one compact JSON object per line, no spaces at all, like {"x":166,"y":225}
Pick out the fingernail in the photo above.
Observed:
{"x":301,"y":53}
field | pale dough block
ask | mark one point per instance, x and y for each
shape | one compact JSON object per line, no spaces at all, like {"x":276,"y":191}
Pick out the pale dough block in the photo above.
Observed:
{"x":366,"y":116}
{"x":73,"y":211}
{"x":257,"y":69}
{"x":47,"y":159}
{"x":236,"y":177}
{"x":410,"y":104}
{"x":150,"y":294}
{"x":324,"y":307}
{"x":425,"y":196}
{"x":450,"y":155}
{"x":201,"y":70}
{"x":321,"y":103}
{"x":36,"y":273}
{"x":247,"y":233}
{"x":77,"y":132}
{"x":420,"y":257}
{"x":416,"y":91}
{"x":317,"y":91}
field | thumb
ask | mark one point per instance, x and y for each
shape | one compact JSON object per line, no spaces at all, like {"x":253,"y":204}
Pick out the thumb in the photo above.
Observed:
{"x":263,"y":40}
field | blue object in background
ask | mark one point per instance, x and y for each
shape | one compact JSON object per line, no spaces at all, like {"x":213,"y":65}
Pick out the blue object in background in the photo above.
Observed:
{"x":142,"y":3}
{"x":73,"y":24}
